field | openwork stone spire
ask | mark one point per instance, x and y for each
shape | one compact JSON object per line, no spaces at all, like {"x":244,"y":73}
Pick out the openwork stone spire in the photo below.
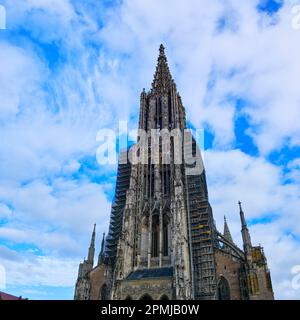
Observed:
{"x":162,"y":79}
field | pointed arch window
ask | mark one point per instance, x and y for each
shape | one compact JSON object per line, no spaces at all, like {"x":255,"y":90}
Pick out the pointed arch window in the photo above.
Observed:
{"x":223,"y":289}
{"x":155,"y":236}
{"x":166,"y":237}
{"x":144,"y":237}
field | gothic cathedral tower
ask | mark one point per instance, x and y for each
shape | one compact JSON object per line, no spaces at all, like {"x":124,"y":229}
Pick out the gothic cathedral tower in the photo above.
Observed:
{"x":163,"y":242}
{"x":154,"y":250}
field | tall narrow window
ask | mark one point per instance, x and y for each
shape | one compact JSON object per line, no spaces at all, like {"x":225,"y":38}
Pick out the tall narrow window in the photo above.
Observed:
{"x":144,"y":238}
{"x":164,"y":180}
{"x":223,"y":289}
{"x":166,"y":239}
{"x":155,"y":114}
{"x":170,"y":110}
{"x":155,"y":236}
{"x":151,"y":176}
{"x":160,"y":113}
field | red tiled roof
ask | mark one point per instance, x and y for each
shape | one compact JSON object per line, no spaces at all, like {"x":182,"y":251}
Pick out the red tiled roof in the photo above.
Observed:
{"x":6,"y":296}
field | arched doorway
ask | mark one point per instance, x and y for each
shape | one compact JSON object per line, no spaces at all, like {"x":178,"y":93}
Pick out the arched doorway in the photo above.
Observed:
{"x":223,"y":289}
{"x":164,"y":297}
{"x":146,"y":297}
{"x":128,"y":298}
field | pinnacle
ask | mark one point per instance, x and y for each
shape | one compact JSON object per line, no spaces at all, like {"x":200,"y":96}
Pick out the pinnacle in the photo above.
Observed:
{"x":93,"y":236}
{"x":162,"y":78}
{"x":162,"y":50}
{"x":227,"y":233}
{"x":243,"y":220}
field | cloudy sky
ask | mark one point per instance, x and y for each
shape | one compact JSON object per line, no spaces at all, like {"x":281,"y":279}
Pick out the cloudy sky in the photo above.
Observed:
{"x":69,"y":68}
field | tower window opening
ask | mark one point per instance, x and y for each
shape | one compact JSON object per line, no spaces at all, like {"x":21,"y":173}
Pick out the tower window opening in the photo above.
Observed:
{"x":155,"y":236}
{"x":165,"y":239}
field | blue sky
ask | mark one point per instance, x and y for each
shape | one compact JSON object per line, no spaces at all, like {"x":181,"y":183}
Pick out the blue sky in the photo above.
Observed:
{"x":71,"y":68}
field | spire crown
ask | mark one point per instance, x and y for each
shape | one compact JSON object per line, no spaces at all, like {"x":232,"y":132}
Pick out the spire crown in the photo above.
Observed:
{"x":161,"y":50}
{"x":162,"y":78}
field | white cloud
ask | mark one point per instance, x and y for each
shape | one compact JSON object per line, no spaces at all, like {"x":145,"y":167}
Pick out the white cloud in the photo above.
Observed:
{"x":48,"y":216}
{"x":235,"y":176}
{"x":5,"y":211}
{"x":49,"y":120}
{"x":48,"y":20}
{"x":19,"y":79}
{"x":71,"y":166}
{"x":31,"y":270}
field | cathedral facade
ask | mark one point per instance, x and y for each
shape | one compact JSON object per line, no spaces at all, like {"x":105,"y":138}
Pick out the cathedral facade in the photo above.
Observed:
{"x":163,"y":243}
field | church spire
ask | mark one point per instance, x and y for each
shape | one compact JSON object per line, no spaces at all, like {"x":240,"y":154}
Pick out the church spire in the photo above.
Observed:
{"x":227,"y":234}
{"x":101,"y":254}
{"x":245,"y":232}
{"x":92,"y":247}
{"x":162,"y":79}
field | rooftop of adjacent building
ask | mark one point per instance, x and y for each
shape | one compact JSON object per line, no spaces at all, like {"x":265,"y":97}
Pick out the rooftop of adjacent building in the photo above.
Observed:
{"x":7,"y":296}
